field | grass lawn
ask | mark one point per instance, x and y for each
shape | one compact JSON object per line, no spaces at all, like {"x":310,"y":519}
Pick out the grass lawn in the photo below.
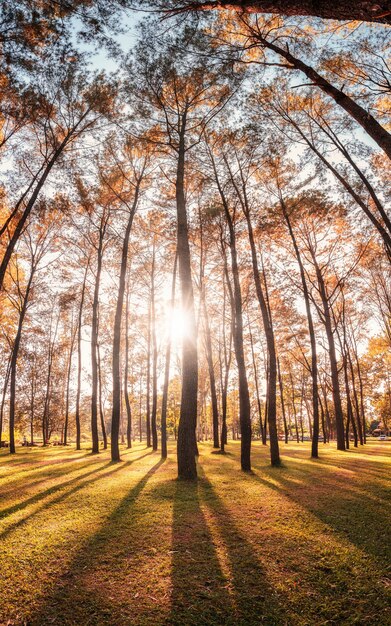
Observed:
{"x":86,"y":542}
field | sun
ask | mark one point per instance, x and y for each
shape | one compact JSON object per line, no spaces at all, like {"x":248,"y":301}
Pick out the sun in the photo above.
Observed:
{"x":179,"y":324}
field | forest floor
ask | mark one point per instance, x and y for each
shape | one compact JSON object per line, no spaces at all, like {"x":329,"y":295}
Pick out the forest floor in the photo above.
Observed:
{"x":86,"y":542}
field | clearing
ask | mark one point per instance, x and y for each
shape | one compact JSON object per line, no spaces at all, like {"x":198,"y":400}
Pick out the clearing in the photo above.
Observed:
{"x":86,"y":542}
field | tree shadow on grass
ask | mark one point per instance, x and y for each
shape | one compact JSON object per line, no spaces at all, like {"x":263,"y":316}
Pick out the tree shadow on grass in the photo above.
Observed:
{"x":216,"y":577}
{"x":336,"y":503}
{"x":60,"y":487}
{"x":18,"y":506}
{"x":255,"y":599}
{"x":199,"y":588}
{"x":70,"y":602}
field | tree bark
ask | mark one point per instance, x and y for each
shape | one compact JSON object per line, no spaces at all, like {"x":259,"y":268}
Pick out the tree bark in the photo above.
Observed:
{"x":148,"y":380}
{"x":167,"y":365}
{"x":344,"y":182}
{"x":4,"y":395}
{"x":339,"y":422}
{"x":94,"y":341}
{"x":116,"y":411}
{"x":345,"y":10}
{"x":14,"y":360}
{"x":69,"y":369}
{"x":259,"y":406}
{"x":79,"y":364}
{"x":126,"y":374}
{"x":212,"y":378}
{"x":237,"y":312}
{"x":186,"y":444}
{"x":282,"y":401}
{"x":101,"y":411}
{"x":362,"y":117}
{"x":311,"y":330}
{"x":154,"y":354}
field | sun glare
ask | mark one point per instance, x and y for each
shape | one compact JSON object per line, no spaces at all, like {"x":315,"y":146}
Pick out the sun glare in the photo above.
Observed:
{"x":179,"y":325}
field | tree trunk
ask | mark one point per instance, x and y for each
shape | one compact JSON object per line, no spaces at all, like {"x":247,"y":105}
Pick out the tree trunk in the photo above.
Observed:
{"x":69,"y":369}
{"x":311,"y":330}
{"x":148,"y":381}
{"x":237,"y":312}
{"x":345,"y":10}
{"x":126,"y":374}
{"x":116,"y":411}
{"x":186,"y":445}
{"x":212,"y":379}
{"x":101,"y":411}
{"x":4,"y":395}
{"x":94,"y":341}
{"x":339,"y":422}
{"x":79,"y":364}
{"x":33,"y":198}
{"x":344,"y":182}
{"x":13,"y":364}
{"x":282,"y":401}
{"x":227,"y":366}
{"x":259,"y":406}
{"x":167,"y":366}
{"x":46,"y":412}
{"x":362,"y":117}
{"x":154,"y":355}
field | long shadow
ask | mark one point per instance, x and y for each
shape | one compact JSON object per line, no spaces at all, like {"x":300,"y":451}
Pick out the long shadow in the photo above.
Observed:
{"x":69,"y":603}
{"x":33,"y":464}
{"x":47,"y":492}
{"x":200,"y":593}
{"x":58,"y":487}
{"x":352,"y":516}
{"x":255,"y":600}
{"x":70,"y":492}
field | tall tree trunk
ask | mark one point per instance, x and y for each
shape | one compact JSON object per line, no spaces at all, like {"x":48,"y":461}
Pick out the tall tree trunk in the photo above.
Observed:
{"x":140,"y":424}
{"x":259,"y":406}
{"x":116,"y":412}
{"x":126,"y":373}
{"x":4,"y":395}
{"x":227,"y":353}
{"x":362,"y":116}
{"x":212,"y":379}
{"x":355,"y":397}
{"x":154,"y":355}
{"x":282,"y":401}
{"x":266,"y":319}
{"x":101,"y":410}
{"x":322,"y":419}
{"x":46,"y":411}
{"x":148,"y":381}
{"x":167,"y":365}
{"x":79,"y":363}
{"x":14,"y":360}
{"x":345,"y":10}
{"x":186,"y":445}
{"x":294,"y":405}
{"x":361,"y":385}
{"x":311,"y":330}
{"x":69,"y":369}
{"x":40,"y":181}
{"x":345,"y":183}
{"x":237,"y":312}
{"x":94,"y":340}
{"x":339,"y":422}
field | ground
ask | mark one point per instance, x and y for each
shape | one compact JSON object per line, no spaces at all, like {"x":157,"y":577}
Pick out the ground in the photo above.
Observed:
{"x":87,"y":542}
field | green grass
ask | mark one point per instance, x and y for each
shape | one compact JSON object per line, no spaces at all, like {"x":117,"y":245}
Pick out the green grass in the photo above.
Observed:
{"x":85,"y":542}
